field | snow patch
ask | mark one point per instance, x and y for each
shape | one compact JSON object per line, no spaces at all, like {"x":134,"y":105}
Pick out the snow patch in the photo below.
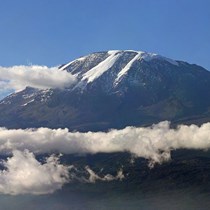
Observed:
{"x":127,"y":67}
{"x":102,"y":67}
{"x":5,"y":102}
{"x":28,"y":102}
{"x":46,"y":94}
{"x":28,"y":96}
{"x":141,"y":56}
{"x":68,"y":64}
{"x":151,"y":56}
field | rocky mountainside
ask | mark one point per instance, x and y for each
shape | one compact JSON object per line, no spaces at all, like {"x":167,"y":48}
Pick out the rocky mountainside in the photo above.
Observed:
{"x":115,"y":89}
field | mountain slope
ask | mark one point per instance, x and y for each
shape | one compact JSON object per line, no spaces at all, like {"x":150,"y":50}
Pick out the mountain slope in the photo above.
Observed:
{"x":115,"y":89}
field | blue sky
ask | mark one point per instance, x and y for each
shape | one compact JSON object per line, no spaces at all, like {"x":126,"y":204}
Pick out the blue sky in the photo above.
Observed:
{"x":52,"y":32}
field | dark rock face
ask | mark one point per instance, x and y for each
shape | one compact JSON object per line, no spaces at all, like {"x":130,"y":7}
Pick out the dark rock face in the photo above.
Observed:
{"x":115,"y":89}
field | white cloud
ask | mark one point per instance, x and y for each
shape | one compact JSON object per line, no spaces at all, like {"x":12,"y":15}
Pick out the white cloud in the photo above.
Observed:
{"x":43,"y":77}
{"x":93,"y":177}
{"x":24,"y":174}
{"x":153,"y":143}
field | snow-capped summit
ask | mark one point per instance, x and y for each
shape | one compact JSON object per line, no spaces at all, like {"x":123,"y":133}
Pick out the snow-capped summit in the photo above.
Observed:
{"x":110,"y":57}
{"x":112,"y":66}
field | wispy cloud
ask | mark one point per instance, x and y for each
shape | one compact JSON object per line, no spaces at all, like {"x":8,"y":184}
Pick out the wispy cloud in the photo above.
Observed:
{"x":18,"y":77}
{"x":93,"y":177}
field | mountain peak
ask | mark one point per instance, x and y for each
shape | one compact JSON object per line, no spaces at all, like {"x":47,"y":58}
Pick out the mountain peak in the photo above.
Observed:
{"x":112,"y":66}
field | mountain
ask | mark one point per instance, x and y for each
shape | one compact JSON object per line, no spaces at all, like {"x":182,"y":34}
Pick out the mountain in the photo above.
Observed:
{"x":115,"y":89}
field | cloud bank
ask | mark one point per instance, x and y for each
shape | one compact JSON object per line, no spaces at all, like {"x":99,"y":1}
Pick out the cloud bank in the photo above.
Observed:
{"x":43,"y":77}
{"x":24,"y":174}
{"x":153,"y":143}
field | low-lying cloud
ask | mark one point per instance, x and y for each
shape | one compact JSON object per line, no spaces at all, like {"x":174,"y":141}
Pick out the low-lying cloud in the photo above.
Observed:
{"x":24,"y":174}
{"x":153,"y":143}
{"x":43,"y":77}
